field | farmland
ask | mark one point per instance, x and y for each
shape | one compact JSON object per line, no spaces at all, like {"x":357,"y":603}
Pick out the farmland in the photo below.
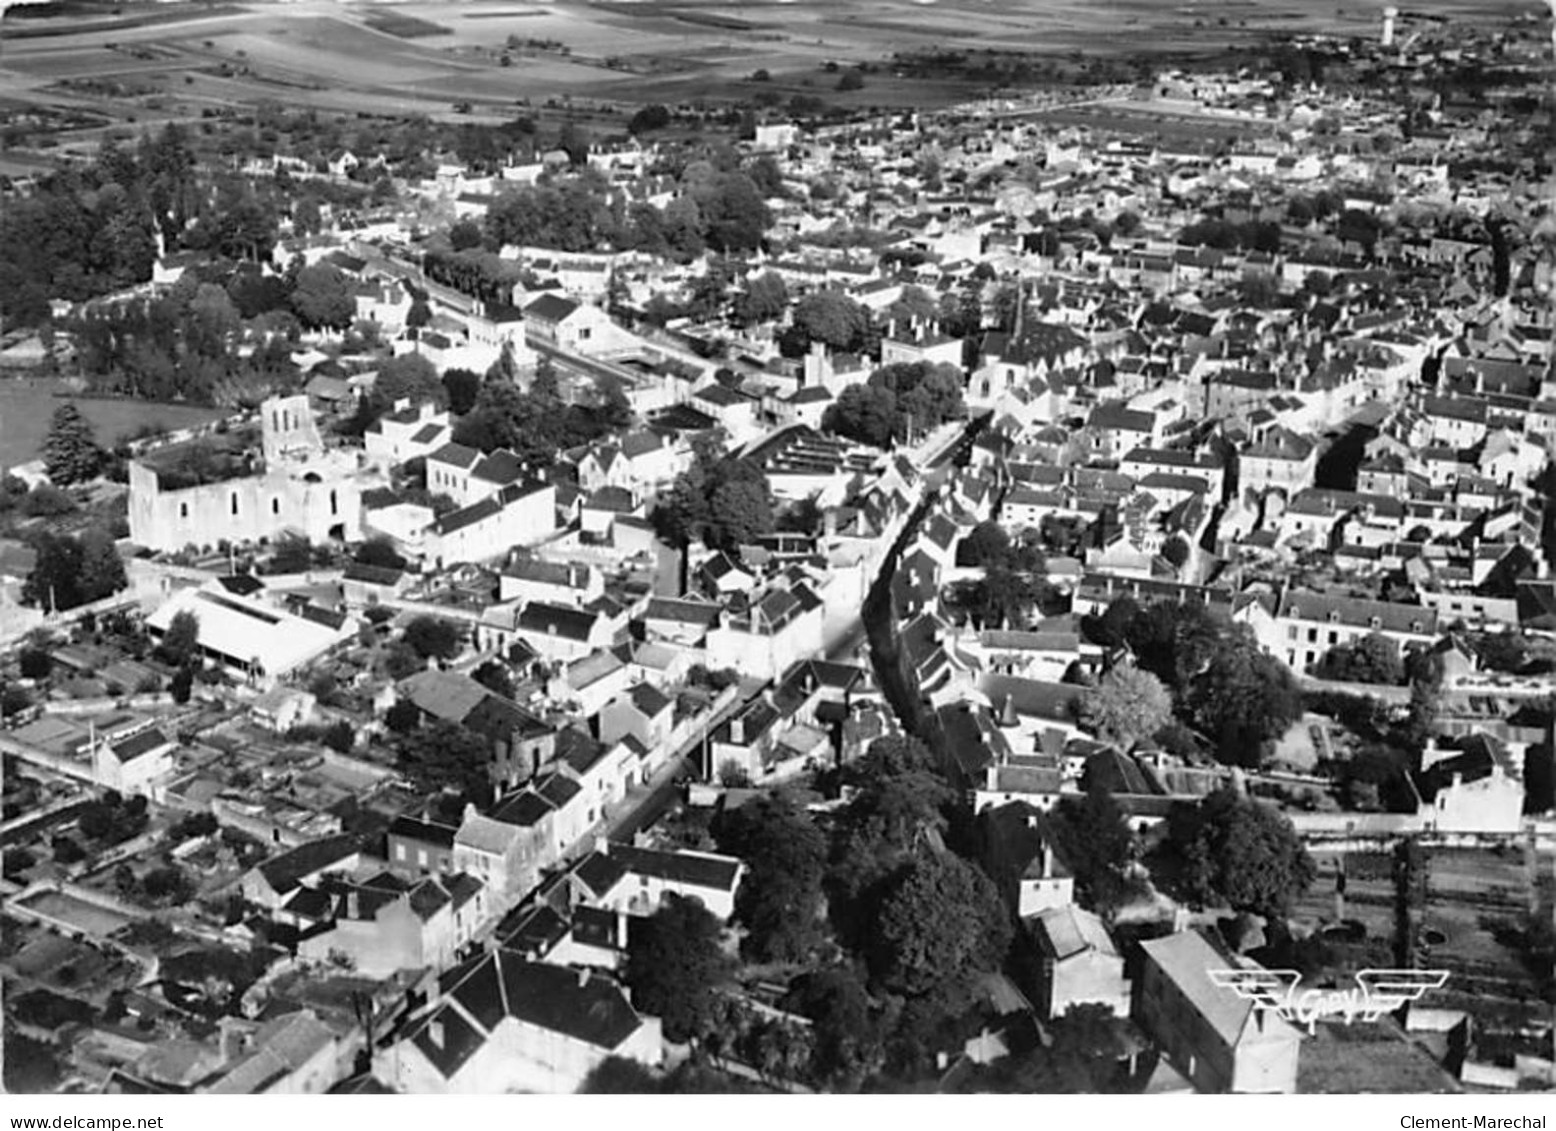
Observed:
{"x":27,"y":405}
{"x":184,"y":61}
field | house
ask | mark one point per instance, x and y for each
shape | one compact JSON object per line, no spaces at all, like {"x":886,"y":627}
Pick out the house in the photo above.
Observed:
{"x":645,"y":713}
{"x":559,"y":634}
{"x":1219,"y":1040}
{"x":134,"y":760}
{"x":1079,"y":963}
{"x":501,"y":1024}
{"x":574,"y":584}
{"x":257,"y":640}
{"x":410,"y":432}
{"x":576,"y":327}
{"x":272,"y":883}
{"x":295,"y":1054}
{"x":518,"y":514}
{"x":387,"y":924}
{"x":637,"y":880}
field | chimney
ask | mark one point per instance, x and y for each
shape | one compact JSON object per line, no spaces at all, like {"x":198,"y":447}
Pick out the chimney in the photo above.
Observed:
{"x":737,"y":730}
{"x":435,"y":1033}
{"x":1048,"y":861}
{"x":353,"y":904}
{"x":583,"y":977}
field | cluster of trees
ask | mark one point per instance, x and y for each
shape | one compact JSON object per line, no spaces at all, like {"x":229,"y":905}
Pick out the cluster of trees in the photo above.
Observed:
{"x":180,"y":345}
{"x":1226,"y":235}
{"x":1224,"y":685}
{"x":990,"y":546}
{"x":72,"y":570}
{"x":537,"y":424}
{"x":720,"y":500}
{"x":1375,"y":658}
{"x":900,"y":401}
{"x":895,"y":930}
{"x":1241,"y":853}
{"x":717,"y":208}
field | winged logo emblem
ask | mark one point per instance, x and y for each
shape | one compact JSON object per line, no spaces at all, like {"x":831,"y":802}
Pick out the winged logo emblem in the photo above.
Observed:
{"x":1375,"y":993}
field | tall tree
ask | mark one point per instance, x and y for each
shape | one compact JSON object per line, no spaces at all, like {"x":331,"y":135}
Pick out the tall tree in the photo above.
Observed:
{"x":1241,"y":852}
{"x":1127,"y":706}
{"x":676,"y":967}
{"x":446,"y":756}
{"x":1245,"y":700}
{"x":102,"y":568}
{"x":181,"y":642}
{"x":942,"y":923}
{"x":322,"y":297}
{"x":70,"y":451}
{"x":779,"y":901}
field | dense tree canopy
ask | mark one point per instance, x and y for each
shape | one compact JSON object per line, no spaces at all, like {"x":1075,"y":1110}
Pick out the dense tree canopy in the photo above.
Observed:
{"x":941,"y":923}
{"x":675,"y":968}
{"x":1127,"y":705}
{"x":70,"y":451}
{"x":1240,"y":852}
{"x":779,"y":901}
{"x":721,"y":500}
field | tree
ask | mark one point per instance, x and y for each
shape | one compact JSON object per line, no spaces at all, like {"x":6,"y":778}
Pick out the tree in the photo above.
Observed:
{"x":866,"y":413}
{"x":36,"y":663}
{"x":291,"y":554}
{"x":446,"y":756}
{"x":1375,"y":658}
{"x":942,"y":923}
{"x":722,"y":501}
{"x":1127,"y":705}
{"x":1093,"y":837}
{"x":323,"y":297}
{"x":403,"y":717}
{"x":409,"y":377}
{"x":379,"y":551}
{"x":619,"y":1076}
{"x":986,"y":544}
{"x":675,"y":967}
{"x":181,"y":686}
{"x":102,"y":569}
{"x":847,"y":1045}
{"x":545,"y":386}
{"x":766,"y":297}
{"x":181,"y":642}
{"x":832,"y":318}
{"x":465,"y":234}
{"x":70,"y":451}
{"x":463,"y":387}
{"x":651,"y":117}
{"x":495,"y":677}
{"x":1245,"y":700}
{"x":779,"y":901}
{"x":1176,"y":551}
{"x":433,"y":637}
{"x":55,"y":580}
{"x":1240,"y":852}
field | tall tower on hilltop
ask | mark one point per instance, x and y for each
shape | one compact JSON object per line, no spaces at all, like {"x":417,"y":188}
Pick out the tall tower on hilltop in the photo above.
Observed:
{"x":1390,"y":14}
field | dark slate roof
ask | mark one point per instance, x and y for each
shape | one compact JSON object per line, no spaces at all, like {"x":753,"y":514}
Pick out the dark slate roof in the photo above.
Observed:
{"x":492,"y":987}
{"x":696,"y":869}
{"x":600,"y":872}
{"x":547,"y":619}
{"x":426,"y":832}
{"x":286,"y":871}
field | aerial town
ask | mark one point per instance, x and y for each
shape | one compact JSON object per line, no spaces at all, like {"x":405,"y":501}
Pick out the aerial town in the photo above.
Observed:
{"x":946,"y":601}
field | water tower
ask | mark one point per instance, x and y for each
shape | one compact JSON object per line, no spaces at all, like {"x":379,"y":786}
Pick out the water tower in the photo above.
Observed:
{"x":1389,"y":16}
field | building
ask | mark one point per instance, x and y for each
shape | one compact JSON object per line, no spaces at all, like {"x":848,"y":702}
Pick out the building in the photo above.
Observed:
{"x":244,"y":634}
{"x":1219,"y":1041}
{"x":301,"y":488}
{"x":1079,"y":963}
{"x":500,"y":1024}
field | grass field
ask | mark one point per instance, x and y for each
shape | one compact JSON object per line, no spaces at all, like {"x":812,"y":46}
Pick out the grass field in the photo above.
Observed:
{"x":26,"y":407}
{"x":429,"y":57}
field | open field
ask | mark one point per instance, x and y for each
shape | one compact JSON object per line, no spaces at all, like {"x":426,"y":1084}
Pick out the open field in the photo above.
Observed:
{"x":1476,"y":898}
{"x":427,"y":56}
{"x":27,"y":405}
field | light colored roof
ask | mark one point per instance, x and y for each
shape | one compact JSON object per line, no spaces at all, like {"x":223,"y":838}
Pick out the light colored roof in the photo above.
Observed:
{"x":1187,"y":958}
{"x":248,"y":631}
{"x":1070,"y":930}
{"x":485,"y":835}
